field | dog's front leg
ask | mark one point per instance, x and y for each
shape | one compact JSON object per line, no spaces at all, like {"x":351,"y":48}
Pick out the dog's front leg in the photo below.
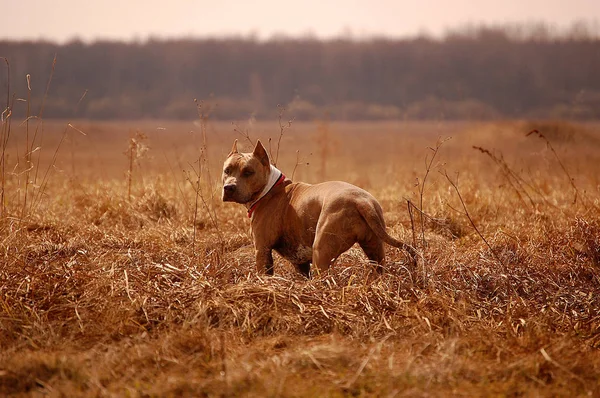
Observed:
{"x":264,"y":261}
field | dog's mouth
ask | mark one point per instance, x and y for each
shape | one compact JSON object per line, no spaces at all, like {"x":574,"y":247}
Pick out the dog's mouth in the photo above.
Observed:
{"x":228,"y":197}
{"x":234,"y":197}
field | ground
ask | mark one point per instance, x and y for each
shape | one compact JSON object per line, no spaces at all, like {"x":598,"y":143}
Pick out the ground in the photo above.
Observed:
{"x":123,"y":274}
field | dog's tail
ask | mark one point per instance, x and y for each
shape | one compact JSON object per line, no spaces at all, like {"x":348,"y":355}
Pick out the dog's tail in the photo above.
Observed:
{"x":376,"y":222}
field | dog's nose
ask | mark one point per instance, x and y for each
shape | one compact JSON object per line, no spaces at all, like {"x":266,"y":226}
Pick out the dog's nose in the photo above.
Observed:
{"x":229,"y":188}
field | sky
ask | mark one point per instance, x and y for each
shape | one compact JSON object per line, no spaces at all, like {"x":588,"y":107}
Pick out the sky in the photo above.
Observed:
{"x":89,"y":20}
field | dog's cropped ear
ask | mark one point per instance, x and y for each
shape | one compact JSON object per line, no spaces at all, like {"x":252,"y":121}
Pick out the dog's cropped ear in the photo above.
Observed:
{"x":234,"y":148}
{"x":261,"y":153}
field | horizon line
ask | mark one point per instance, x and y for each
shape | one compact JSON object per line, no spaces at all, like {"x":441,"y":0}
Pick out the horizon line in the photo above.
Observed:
{"x":523,"y":30}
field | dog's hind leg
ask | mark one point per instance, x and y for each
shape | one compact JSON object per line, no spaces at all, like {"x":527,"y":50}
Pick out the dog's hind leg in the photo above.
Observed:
{"x":375,"y":252}
{"x":330,"y":243}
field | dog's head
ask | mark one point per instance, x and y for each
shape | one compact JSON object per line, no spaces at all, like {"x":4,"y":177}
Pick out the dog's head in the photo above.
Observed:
{"x":245,"y":174}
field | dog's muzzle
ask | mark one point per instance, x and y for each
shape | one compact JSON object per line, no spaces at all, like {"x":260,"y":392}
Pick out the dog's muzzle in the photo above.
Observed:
{"x":229,"y":192}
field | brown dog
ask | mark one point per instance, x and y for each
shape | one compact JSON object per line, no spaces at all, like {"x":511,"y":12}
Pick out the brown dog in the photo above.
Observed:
{"x":302,"y":222}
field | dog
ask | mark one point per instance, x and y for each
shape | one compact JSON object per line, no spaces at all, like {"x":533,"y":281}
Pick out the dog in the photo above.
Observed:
{"x":306,"y":224}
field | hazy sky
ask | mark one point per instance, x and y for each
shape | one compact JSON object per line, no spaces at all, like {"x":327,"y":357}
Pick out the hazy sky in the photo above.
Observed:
{"x":61,"y":20}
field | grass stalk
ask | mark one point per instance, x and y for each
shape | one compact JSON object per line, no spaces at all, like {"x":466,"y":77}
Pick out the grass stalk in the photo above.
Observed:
{"x":39,"y":129}
{"x":5,"y":121}
{"x":282,"y":128}
{"x":28,"y":149}
{"x":466,"y":213}
{"x":428,"y":166}
{"x":561,"y":164}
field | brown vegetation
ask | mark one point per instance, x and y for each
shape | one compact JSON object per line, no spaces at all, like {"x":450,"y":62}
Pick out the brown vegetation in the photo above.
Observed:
{"x":153,"y":292}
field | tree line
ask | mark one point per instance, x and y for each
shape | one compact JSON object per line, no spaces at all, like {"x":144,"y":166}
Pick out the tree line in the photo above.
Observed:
{"x":473,"y":74}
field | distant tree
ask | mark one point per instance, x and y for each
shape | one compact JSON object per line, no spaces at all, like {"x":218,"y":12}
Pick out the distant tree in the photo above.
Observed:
{"x":474,"y":72}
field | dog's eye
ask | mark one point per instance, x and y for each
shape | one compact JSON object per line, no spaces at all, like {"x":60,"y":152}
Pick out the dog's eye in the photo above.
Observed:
{"x":247,"y":173}
{"x":227,"y":170}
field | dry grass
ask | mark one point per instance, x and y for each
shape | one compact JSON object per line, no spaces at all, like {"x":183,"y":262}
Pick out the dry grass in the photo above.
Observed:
{"x":101,"y":295}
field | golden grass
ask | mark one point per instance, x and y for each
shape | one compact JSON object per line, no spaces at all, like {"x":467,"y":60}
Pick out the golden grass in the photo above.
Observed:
{"x":105,"y":296}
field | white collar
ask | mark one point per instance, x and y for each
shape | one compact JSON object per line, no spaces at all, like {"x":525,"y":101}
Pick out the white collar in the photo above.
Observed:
{"x":275,"y":176}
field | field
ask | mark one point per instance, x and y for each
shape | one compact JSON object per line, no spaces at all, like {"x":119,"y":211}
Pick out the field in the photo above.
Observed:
{"x":123,"y":274}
